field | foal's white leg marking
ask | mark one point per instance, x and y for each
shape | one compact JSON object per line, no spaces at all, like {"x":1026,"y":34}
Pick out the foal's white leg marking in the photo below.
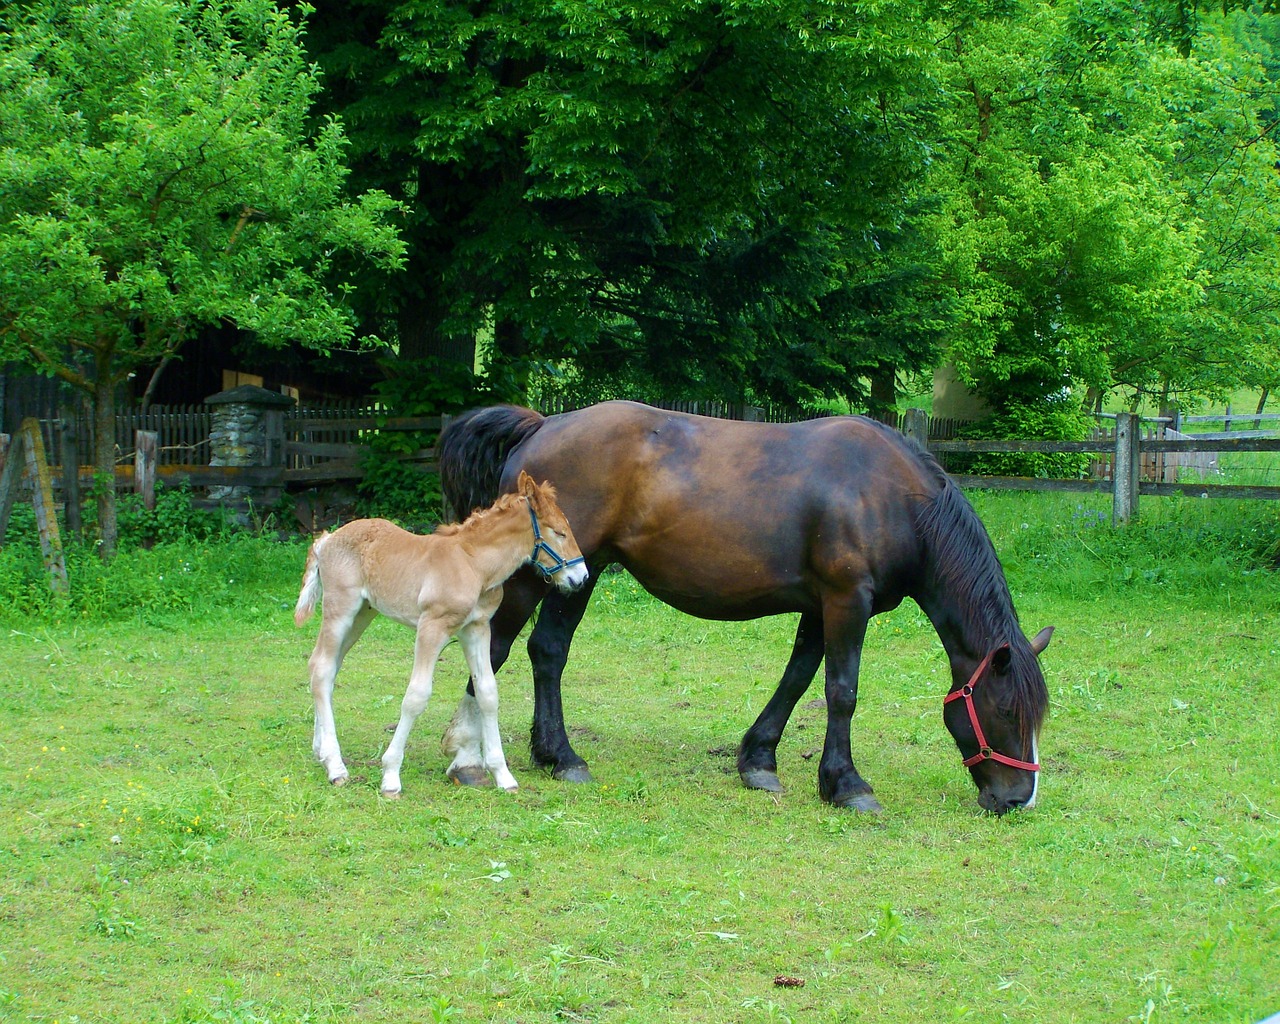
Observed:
{"x":339,"y":630}
{"x":430,"y":641}
{"x":475,"y":646}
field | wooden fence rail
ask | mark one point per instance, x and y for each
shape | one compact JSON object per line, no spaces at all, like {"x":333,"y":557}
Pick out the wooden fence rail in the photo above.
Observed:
{"x":321,"y":449}
{"x":1125,"y":485}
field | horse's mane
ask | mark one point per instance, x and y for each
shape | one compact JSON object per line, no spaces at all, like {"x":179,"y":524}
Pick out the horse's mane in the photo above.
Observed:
{"x":963,"y":562}
{"x":474,"y":448}
{"x":503,"y":504}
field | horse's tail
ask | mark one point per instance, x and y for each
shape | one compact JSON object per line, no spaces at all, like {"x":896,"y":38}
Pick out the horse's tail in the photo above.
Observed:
{"x":310,"y":592}
{"x":473,"y":450}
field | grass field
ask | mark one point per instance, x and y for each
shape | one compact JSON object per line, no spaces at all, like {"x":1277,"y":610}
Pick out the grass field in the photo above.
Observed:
{"x":171,"y":852}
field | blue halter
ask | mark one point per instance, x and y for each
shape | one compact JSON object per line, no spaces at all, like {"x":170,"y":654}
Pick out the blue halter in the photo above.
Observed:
{"x":540,"y":545}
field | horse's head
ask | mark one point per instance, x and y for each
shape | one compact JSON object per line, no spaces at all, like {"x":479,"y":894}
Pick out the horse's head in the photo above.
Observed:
{"x":555,"y":552}
{"x":993,"y":712}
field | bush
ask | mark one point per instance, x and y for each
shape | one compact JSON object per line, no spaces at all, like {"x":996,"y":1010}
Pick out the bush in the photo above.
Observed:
{"x":1062,"y":421}
{"x":198,"y":562}
{"x":175,"y":519}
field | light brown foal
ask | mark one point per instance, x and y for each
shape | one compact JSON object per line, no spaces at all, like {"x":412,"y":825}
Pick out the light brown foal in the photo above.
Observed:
{"x":445,"y":584}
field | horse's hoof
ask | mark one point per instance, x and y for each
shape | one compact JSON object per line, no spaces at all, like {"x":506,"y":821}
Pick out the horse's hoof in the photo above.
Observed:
{"x":391,"y":794}
{"x":861,"y":802}
{"x":576,"y":773}
{"x":761,"y":778}
{"x":469,"y":775}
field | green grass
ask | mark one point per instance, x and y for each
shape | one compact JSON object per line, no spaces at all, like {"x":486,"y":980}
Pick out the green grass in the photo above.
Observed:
{"x":171,"y":852}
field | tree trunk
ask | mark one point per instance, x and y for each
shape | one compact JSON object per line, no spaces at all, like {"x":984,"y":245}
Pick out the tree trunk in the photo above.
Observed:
{"x":1262,"y":404}
{"x":420,"y":340}
{"x":104,"y":464}
{"x":884,"y":391}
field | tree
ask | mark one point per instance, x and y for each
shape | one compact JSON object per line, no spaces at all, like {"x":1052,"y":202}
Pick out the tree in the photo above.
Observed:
{"x":685,"y":192}
{"x":1104,"y":221}
{"x":158,"y":172}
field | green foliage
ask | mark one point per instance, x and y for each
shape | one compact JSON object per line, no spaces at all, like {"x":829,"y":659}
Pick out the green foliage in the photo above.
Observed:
{"x":1101,"y":214}
{"x":175,"y":519}
{"x":1063,"y":545}
{"x":1060,"y":420}
{"x":171,"y":580}
{"x":161,"y":170}
{"x":674,"y":193}
{"x":392,"y":488}
{"x":143,"y":195}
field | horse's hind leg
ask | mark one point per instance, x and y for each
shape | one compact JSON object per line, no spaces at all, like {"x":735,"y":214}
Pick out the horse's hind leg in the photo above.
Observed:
{"x":430,"y":641}
{"x":340,"y":628}
{"x":758,"y":752}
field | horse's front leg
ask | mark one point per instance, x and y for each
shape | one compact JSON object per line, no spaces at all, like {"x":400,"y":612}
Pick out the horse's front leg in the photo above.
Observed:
{"x":430,"y":641}
{"x":844,"y":629}
{"x":548,"y":651}
{"x":481,"y":731}
{"x":758,"y":752}
{"x":520,"y":595}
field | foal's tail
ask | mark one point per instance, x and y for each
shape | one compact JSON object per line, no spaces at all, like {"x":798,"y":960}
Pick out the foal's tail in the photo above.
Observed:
{"x":473,"y":450}
{"x":310,"y":592}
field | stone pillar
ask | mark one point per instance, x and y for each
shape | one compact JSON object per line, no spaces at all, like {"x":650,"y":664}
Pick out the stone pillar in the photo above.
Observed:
{"x":248,"y":431}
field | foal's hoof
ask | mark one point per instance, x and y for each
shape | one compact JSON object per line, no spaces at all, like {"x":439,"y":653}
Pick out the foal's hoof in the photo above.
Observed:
{"x":761,"y":778}
{"x":341,"y":780}
{"x":390,"y":794}
{"x":861,"y":802}
{"x":469,"y":775}
{"x":576,"y":773}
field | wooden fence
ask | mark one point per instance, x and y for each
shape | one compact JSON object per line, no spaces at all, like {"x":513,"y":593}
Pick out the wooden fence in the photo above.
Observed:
{"x":326,"y":445}
{"x":1126,"y":448}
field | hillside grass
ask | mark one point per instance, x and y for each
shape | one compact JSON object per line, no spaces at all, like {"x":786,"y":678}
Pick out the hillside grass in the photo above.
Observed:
{"x":172,"y":853}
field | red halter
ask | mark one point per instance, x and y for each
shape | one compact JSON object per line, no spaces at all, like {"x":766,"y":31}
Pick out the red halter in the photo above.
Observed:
{"x":985,"y":753}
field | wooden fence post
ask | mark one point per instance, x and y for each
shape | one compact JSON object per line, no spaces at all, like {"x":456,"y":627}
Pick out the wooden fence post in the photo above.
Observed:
{"x":1124,"y":477}
{"x":147,"y":444}
{"x":28,"y":448}
{"x":915,"y":424}
{"x":8,"y":482}
{"x":71,"y":477}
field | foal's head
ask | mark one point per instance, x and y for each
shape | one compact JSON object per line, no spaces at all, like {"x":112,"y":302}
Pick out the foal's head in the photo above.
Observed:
{"x":555,"y":552}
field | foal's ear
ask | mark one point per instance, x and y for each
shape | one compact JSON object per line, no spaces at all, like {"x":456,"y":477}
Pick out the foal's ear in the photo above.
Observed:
{"x":1041,"y":640}
{"x":525,"y":485}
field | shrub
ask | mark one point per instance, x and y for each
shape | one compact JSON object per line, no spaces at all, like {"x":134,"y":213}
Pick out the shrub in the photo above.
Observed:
{"x":1052,"y":421}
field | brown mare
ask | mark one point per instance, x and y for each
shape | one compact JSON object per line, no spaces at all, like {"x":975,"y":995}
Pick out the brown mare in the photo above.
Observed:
{"x":838,"y":519}
{"x":446,"y":584}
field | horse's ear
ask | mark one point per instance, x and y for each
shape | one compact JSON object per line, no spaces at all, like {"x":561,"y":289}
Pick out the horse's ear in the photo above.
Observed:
{"x":1001,"y":658}
{"x":1041,"y":640}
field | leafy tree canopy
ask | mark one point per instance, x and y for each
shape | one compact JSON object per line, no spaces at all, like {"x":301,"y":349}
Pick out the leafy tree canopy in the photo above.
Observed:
{"x":1104,"y":218}
{"x":688,"y":194}
{"x":158,"y":173}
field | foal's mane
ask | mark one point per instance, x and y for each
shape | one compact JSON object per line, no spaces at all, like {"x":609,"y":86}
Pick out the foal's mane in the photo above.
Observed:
{"x":503,"y":504}
{"x":963,"y":563}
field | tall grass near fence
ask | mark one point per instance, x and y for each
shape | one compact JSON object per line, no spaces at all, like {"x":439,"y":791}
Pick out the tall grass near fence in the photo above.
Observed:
{"x":171,"y":853}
